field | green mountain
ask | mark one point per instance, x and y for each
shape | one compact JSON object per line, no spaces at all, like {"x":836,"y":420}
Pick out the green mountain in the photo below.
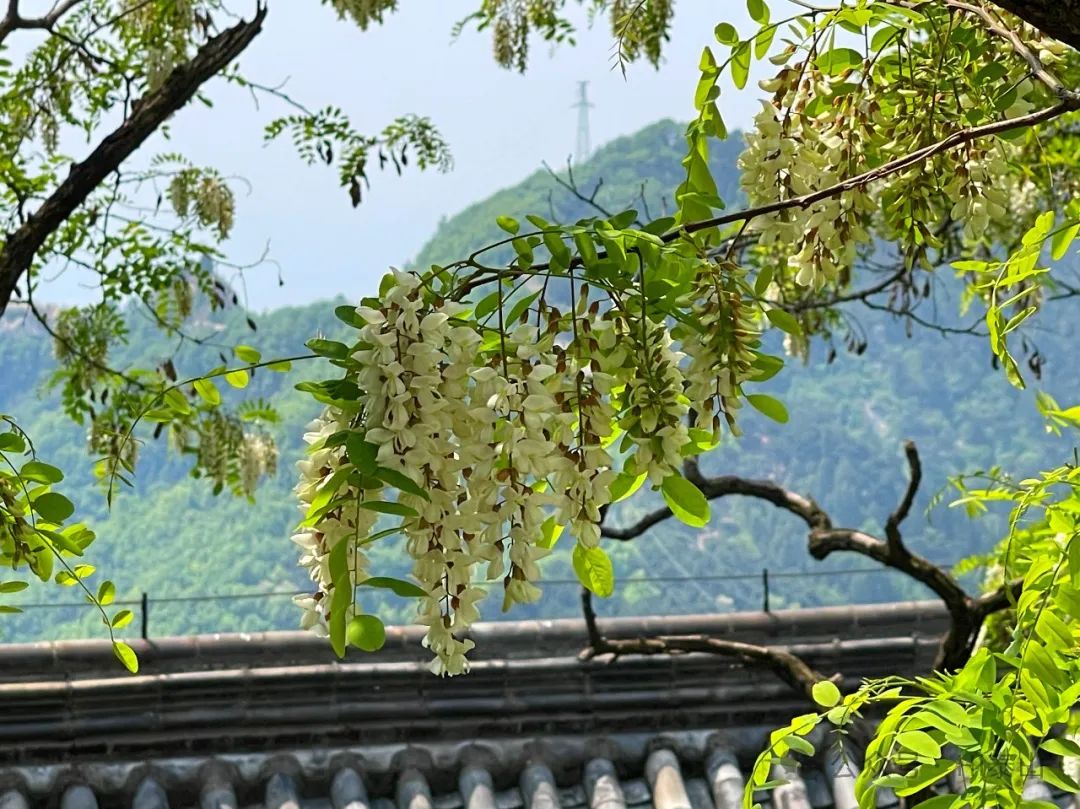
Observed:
{"x":207,"y":563}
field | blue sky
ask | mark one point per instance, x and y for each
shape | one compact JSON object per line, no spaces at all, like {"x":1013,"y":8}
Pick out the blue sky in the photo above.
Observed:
{"x":500,"y":126}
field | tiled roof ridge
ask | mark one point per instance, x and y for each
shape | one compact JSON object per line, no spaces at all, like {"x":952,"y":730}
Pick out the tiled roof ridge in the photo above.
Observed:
{"x":507,"y":640}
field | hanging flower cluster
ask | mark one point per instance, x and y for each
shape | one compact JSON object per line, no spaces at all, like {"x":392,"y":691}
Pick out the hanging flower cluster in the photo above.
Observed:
{"x":490,"y":428}
{"x":822,"y":126}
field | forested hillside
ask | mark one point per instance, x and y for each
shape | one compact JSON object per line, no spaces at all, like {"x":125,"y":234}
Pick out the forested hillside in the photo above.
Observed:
{"x":171,"y":538}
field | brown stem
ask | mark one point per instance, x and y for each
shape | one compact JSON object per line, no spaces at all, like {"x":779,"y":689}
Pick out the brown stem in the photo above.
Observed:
{"x":1069,"y":103}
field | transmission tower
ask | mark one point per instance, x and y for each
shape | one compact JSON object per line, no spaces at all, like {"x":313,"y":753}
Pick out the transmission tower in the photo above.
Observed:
{"x":581,"y":153}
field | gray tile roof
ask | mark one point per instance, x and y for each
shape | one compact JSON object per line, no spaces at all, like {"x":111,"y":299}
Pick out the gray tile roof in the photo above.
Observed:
{"x":679,"y":771}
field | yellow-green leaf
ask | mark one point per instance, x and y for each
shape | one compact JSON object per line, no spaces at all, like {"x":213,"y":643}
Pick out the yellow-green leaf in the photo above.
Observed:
{"x":208,"y":392}
{"x":594,"y":570}
{"x":238,"y":379}
{"x":685,"y":500}
{"x":126,"y":655}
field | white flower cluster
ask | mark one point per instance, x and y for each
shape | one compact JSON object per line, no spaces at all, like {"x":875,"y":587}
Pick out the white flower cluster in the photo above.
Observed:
{"x":818,"y":130}
{"x":502,"y":436}
{"x":790,"y":153}
{"x":720,"y":354}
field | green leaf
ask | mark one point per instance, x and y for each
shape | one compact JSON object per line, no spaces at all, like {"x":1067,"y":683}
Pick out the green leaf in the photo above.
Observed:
{"x":919,"y":742}
{"x":923,"y":776}
{"x":340,"y":602}
{"x":740,"y":64}
{"x":349,"y":315}
{"x":122,"y":619}
{"x":62,"y":542}
{"x":401,"y":482}
{"x":7,"y":609}
{"x":1058,"y":747}
{"x":176,"y":401}
{"x":384,"y":507}
{"x":826,"y":694}
{"x":12,"y":442}
{"x":326,"y":493}
{"x":13,"y":586}
{"x":400,"y":587}
{"x":367,"y":633}
{"x":279,"y":367}
{"x":488,"y":304}
{"x":594,"y":570}
{"x":238,"y":379}
{"x":625,"y":485}
{"x":1062,"y":239}
{"x":126,"y":655}
{"x":361,"y":454}
{"x":726,"y":34}
{"x":106,"y":593}
{"x":838,"y":60}
{"x":54,"y":507}
{"x":509,"y":224}
{"x":40,"y":472}
{"x":759,"y":12}
{"x":784,"y":321}
{"x":330,"y":349}
{"x":768,"y":406}
{"x":247,"y":354}
{"x":763,"y":40}
{"x":685,"y":500}
{"x":208,"y":392}
{"x":799,"y":745}
{"x":1056,"y":778}
{"x":551,"y":530}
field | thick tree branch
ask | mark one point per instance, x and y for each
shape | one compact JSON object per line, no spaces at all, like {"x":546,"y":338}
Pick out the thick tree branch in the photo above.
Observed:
{"x":994,"y":26}
{"x":721,"y":486}
{"x":1059,"y":19}
{"x":13,"y":21}
{"x":892,"y":525}
{"x":148,"y":114}
{"x":824,"y":539}
{"x":1000,"y":599}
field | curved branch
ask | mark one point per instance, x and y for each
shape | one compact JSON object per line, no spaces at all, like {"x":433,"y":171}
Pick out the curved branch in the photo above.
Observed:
{"x":714,"y":488}
{"x":148,"y":114}
{"x":892,"y":525}
{"x":824,"y":539}
{"x":13,"y":21}
{"x":788,"y":667}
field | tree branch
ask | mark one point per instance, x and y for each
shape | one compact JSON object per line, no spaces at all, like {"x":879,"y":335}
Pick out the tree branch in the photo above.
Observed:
{"x":1069,"y":103}
{"x":13,"y":21}
{"x":148,"y":114}
{"x":892,"y":525}
{"x":994,"y":26}
{"x":1059,"y":19}
{"x":824,"y":539}
{"x":788,"y":667}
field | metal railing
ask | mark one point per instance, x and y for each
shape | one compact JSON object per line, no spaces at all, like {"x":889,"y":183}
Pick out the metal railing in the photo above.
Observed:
{"x":766,"y":578}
